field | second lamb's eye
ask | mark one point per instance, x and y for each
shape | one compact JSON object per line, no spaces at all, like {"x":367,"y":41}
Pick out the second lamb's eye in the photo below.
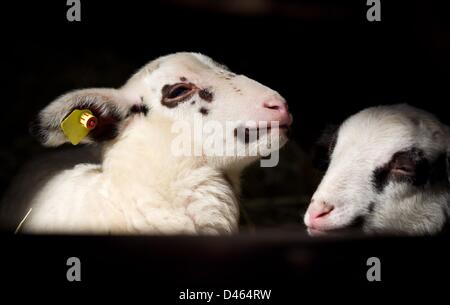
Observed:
{"x":179,"y":90}
{"x":408,"y":163}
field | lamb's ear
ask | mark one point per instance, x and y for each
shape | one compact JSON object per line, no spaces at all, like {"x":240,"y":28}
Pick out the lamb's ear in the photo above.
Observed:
{"x":109,"y":106}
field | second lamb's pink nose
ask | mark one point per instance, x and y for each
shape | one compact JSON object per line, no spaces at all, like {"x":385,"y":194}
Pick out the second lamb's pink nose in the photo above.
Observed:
{"x":320,"y":210}
{"x":317,"y":212}
{"x":279,"y":111}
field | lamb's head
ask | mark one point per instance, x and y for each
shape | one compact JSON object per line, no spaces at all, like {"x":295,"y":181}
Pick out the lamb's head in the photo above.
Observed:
{"x":180,"y":88}
{"x":387,"y":172}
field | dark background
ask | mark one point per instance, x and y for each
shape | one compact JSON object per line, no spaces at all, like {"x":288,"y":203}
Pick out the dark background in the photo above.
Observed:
{"x":323,"y":56}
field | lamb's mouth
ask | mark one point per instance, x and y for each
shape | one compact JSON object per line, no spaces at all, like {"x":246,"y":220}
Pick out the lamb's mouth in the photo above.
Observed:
{"x":267,"y":129}
{"x":284,"y":127}
{"x":354,"y":226}
{"x":253,"y":134}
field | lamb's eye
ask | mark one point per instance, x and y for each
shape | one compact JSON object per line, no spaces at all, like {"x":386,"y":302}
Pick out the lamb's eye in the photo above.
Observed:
{"x":179,"y":90}
{"x":173,"y":95}
{"x":406,"y":162}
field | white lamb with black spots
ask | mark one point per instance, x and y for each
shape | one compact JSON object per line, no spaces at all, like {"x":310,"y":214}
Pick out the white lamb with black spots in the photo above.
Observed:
{"x":140,"y":185}
{"x":387,"y":173}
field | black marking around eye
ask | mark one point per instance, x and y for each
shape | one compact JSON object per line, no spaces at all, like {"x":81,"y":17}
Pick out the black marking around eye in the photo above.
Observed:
{"x":203,"y":111}
{"x":423,"y":171}
{"x":170,"y":102}
{"x":415,"y":162}
{"x":206,"y":95}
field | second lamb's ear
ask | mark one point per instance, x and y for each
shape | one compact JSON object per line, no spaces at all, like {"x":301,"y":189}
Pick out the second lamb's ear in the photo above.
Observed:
{"x":109,"y":106}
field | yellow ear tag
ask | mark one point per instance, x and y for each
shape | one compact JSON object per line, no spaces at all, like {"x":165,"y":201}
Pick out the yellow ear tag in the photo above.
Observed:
{"x":76,"y":126}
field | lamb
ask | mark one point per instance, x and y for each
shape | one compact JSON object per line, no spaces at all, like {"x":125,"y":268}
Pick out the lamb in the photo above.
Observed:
{"x":140,"y":185}
{"x":387,"y":173}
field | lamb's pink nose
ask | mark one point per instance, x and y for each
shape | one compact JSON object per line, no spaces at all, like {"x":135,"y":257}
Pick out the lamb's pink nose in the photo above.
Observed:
{"x":317,"y":211}
{"x":279,"y":111}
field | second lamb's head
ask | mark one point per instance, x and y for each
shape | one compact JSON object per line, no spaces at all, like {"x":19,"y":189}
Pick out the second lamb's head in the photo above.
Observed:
{"x":185,"y":92}
{"x":387,"y":172}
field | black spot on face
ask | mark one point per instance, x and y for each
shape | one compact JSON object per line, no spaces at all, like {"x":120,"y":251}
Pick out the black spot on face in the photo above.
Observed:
{"x":380,"y":178}
{"x":193,"y":103}
{"x":203,"y":111}
{"x":357,"y":223}
{"x":141,"y":108}
{"x":183,"y":79}
{"x":206,"y":95}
